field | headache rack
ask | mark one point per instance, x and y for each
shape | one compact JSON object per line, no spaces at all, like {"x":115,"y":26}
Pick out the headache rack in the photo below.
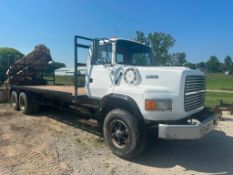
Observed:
{"x":78,"y":45}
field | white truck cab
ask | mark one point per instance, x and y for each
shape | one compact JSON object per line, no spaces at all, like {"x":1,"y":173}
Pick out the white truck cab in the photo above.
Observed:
{"x":127,"y":67}
{"x":164,"y":96}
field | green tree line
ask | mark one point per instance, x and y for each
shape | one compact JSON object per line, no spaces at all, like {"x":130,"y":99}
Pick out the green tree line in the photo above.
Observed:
{"x":161,"y":43}
{"x":7,"y":57}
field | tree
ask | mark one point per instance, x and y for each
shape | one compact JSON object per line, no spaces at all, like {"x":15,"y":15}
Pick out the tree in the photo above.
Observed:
{"x":160,"y":44}
{"x":213,"y":64}
{"x":228,"y":64}
{"x":201,"y":66}
{"x":190,"y":65}
{"x":54,"y":66}
{"x":178,"y":59}
{"x":140,"y":36}
{"x":221,"y":67}
{"x":58,"y":65}
{"x":7,"y":57}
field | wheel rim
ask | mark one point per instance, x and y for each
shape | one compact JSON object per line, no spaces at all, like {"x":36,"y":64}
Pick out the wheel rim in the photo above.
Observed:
{"x":22,"y":104}
{"x":119,"y":133}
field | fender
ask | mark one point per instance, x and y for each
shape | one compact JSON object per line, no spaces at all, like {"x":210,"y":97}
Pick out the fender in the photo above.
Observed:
{"x":113,"y":101}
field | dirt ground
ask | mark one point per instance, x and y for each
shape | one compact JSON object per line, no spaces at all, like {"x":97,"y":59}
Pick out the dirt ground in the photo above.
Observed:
{"x":52,"y":142}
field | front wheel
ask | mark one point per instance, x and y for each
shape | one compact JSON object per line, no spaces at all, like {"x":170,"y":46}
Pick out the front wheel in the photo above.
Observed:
{"x":124,"y":134}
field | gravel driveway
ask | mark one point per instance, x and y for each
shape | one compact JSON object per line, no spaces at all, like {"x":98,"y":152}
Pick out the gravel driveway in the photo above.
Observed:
{"x":53,"y":142}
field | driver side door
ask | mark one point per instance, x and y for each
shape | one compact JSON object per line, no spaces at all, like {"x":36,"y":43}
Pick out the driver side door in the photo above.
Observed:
{"x":99,"y":79}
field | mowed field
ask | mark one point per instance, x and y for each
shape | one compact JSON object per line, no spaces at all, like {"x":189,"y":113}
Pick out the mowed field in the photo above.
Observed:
{"x":219,"y":81}
{"x":213,"y":98}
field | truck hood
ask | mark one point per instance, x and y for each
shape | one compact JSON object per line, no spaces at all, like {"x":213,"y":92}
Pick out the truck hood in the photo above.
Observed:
{"x":161,"y":79}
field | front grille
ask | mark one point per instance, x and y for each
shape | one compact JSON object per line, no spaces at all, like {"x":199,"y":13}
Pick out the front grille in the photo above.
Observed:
{"x":194,"y":94}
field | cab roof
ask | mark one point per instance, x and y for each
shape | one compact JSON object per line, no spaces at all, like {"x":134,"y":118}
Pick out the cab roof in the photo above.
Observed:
{"x":122,"y":39}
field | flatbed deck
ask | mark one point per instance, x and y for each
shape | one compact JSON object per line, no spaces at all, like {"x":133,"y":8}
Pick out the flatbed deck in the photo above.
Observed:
{"x":66,"y":89}
{"x":66,"y":92}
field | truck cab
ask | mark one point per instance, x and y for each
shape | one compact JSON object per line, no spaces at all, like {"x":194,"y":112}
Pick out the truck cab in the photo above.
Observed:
{"x":128,"y":68}
{"x":124,"y":76}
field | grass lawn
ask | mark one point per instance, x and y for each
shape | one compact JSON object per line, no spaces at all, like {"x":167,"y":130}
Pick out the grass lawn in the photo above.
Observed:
{"x":212,"y":98}
{"x":67,"y":80}
{"x":219,"y":81}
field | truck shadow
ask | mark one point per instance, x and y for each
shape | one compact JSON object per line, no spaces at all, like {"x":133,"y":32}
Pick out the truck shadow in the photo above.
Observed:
{"x":72,"y":119}
{"x":212,"y":154}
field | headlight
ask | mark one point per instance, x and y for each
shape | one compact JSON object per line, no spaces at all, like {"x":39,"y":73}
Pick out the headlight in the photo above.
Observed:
{"x":158,"y":104}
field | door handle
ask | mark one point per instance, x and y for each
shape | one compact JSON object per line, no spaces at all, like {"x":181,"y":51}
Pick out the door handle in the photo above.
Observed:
{"x":90,"y":80}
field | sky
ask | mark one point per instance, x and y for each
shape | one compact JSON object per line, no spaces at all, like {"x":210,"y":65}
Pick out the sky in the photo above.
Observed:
{"x":201,"y":28}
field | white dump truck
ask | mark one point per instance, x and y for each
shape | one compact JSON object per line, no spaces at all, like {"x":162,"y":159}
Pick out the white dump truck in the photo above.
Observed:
{"x":126,"y":93}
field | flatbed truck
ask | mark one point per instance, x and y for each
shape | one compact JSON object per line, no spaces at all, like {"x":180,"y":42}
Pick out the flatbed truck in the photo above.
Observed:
{"x":127,"y":93}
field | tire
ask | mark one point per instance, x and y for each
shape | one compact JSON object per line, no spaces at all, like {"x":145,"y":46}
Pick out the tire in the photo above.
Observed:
{"x":15,"y":100}
{"x":24,"y":105}
{"x":124,"y":134}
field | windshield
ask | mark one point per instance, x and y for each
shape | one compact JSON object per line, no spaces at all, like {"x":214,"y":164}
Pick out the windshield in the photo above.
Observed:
{"x":131,"y":53}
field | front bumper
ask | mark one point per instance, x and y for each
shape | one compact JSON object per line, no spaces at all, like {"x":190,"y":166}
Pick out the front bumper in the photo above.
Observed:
{"x":205,"y":122}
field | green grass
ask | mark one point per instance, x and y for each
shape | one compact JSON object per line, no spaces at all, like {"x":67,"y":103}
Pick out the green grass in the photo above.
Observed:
{"x":213,"y":98}
{"x":66,"y":80}
{"x":219,"y":81}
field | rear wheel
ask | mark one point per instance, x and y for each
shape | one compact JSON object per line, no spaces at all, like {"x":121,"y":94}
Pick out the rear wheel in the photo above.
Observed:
{"x":24,"y":104}
{"x":15,"y":100}
{"x":124,"y":134}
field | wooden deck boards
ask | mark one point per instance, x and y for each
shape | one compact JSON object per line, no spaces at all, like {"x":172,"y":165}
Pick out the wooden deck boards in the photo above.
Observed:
{"x":66,"y":89}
